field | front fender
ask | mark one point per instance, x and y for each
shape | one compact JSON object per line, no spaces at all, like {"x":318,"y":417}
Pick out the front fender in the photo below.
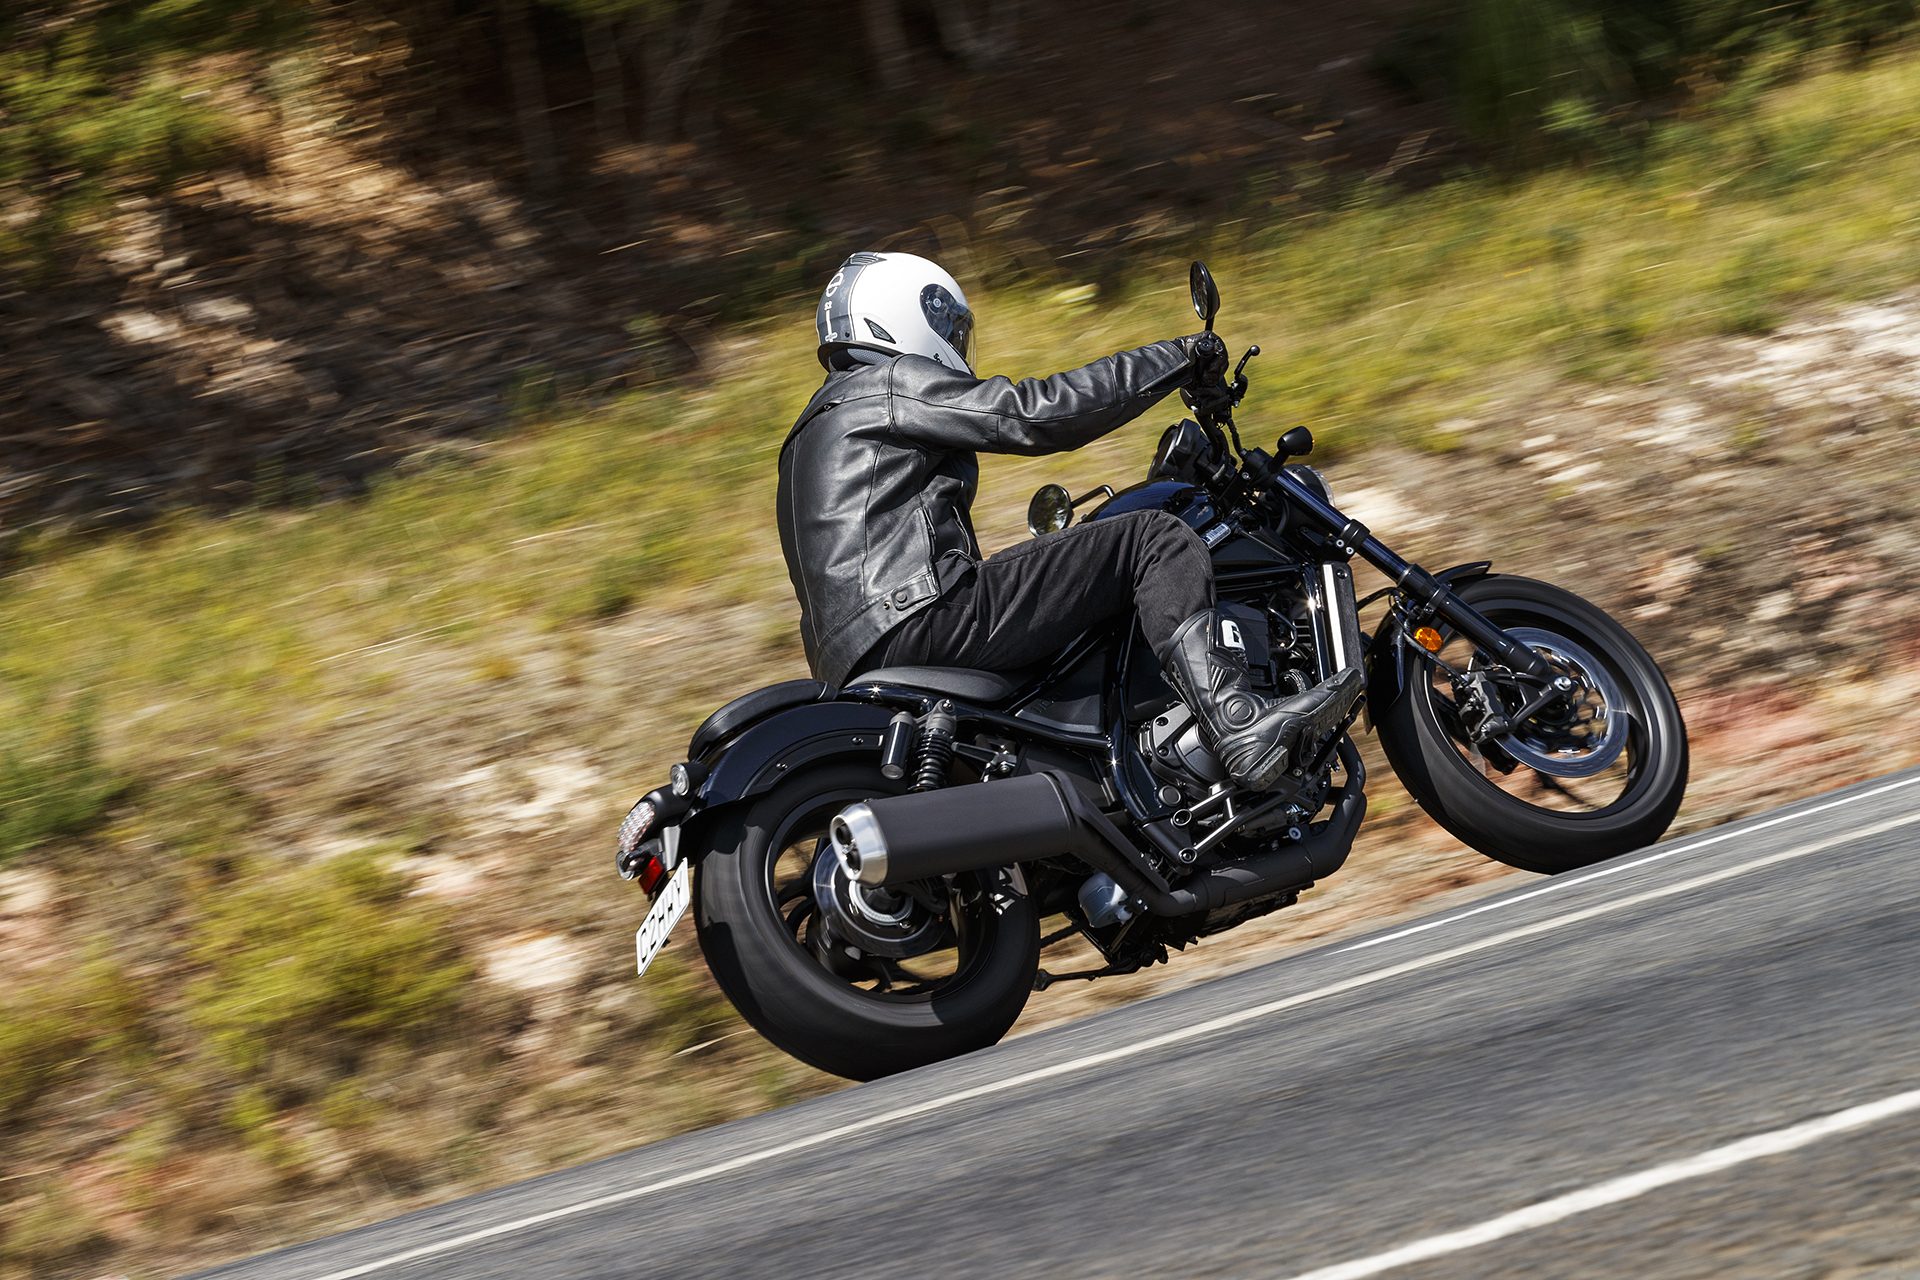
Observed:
{"x":1389,"y":664}
{"x":777,"y":747}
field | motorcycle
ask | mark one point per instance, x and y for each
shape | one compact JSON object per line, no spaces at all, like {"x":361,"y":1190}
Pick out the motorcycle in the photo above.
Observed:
{"x":869,"y":867}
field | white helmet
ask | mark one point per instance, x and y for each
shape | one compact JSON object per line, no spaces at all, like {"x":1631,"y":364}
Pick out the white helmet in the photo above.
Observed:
{"x":894,"y":303}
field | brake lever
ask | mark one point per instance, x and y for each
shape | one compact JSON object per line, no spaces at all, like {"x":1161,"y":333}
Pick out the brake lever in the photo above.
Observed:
{"x":1240,"y":373}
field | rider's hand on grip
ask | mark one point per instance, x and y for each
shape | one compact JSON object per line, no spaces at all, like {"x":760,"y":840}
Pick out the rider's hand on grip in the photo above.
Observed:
{"x":1209,"y":355}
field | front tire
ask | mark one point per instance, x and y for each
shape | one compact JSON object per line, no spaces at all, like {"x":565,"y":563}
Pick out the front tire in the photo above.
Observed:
{"x":862,"y":1017}
{"x":1495,"y":800}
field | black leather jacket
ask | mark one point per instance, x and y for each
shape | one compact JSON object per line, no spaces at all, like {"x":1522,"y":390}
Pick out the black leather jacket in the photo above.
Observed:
{"x":877,"y":479}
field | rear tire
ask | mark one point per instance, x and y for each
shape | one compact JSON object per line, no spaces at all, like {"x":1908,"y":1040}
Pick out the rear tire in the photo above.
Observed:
{"x":789,"y":996}
{"x":1439,"y":772}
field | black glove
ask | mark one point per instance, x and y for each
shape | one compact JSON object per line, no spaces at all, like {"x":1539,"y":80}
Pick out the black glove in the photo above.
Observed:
{"x":1209,"y":355}
{"x":1206,"y":391}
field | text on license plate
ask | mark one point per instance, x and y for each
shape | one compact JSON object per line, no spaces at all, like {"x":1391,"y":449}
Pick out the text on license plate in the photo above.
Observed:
{"x":666,"y":912}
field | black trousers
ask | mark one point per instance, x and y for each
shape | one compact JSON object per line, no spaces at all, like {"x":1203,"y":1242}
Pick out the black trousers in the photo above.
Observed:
{"x":1021,"y":606}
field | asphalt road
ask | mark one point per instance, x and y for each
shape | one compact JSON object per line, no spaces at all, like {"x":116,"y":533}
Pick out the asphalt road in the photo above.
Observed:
{"x":1699,"y":1060}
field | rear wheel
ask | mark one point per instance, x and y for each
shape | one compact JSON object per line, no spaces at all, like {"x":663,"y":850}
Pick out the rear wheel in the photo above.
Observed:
{"x":1596,"y":775}
{"x":856,"y":981}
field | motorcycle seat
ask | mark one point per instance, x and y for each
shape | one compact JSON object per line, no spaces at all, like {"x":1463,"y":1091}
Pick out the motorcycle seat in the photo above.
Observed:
{"x":749,"y":708}
{"x":986,"y":687}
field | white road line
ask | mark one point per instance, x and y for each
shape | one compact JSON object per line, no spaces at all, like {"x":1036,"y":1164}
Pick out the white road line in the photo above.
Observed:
{"x":1687,"y":846}
{"x":1598,"y":1196}
{"x":1194,"y":1031}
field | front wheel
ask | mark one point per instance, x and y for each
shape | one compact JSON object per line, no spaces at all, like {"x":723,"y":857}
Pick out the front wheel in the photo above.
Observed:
{"x":857,"y":981}
{"x":1596,"y":775}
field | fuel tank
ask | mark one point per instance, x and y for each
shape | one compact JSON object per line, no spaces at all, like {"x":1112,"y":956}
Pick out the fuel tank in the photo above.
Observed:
{"x":1231,"y":551}
{"x":1187,"y":501}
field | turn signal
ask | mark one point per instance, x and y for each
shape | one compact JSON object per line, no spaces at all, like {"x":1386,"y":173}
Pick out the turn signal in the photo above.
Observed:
{"x":1427,"y":638}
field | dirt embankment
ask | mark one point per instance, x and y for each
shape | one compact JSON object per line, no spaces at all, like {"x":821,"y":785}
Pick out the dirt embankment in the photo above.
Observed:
{"x":367,"y":288}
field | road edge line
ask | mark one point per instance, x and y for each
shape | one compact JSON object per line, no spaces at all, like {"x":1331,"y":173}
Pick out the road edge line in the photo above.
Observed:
{"x":1614,"y":868}
{"x":1618,"y":1190}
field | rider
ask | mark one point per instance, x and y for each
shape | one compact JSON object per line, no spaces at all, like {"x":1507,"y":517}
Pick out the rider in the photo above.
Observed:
{"x":878,"y":475}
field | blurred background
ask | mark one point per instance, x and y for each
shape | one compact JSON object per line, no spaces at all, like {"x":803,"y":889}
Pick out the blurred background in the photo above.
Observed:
{"x":389,"y":398}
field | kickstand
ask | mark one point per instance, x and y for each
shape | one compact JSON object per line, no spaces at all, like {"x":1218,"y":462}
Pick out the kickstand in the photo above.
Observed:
{"x":1042,"y":979}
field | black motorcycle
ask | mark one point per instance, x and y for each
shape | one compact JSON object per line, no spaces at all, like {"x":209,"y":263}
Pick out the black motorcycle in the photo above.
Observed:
{"x":875,"y":862}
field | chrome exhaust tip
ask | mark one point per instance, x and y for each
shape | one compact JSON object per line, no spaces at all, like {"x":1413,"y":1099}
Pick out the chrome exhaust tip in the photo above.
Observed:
{"x":858,"y":844}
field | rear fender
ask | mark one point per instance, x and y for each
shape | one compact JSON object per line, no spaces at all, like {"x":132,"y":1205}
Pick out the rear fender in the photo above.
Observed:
{"x":1390,"y":664}
{"x":775,"y":749}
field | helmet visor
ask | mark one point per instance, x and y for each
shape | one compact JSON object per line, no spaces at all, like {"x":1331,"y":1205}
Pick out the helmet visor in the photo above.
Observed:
{"x":949,"y":319}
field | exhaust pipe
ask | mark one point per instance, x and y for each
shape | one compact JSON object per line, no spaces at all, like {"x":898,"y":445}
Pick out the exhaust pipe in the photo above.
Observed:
{"x":1040,"y":815}
{"x":952,"y":830}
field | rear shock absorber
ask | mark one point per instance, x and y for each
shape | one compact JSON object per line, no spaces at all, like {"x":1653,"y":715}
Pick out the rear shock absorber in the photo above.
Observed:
{"x":934,"y":750}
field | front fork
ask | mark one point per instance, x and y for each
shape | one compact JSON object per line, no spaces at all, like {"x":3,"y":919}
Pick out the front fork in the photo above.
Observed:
{"x":1347,"y":537}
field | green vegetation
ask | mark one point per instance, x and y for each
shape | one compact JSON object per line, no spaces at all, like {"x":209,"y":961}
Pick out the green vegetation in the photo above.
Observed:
{"x":1383,"y":317}
{"x":99,"y":100}
{"x":52,"y":782}
{"x":130,"y":97}
{"x":38,"y":1039}
{"x":1532,"y":77}
{"x":51,"y":1028}
{"x":311,"y":967}
{"x":47,"y":1227}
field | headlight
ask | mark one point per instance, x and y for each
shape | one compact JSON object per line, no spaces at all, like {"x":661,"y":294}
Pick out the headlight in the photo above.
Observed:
{"x":1314,"y":479}
{"x":639,"y":821}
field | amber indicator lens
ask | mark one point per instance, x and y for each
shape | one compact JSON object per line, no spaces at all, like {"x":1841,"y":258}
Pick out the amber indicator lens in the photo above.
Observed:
{"x":1427,"y":638}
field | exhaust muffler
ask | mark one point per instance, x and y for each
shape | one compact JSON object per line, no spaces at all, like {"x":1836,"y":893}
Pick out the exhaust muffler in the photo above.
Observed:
{"x":925,"y":834}
{"x":955,"y":829}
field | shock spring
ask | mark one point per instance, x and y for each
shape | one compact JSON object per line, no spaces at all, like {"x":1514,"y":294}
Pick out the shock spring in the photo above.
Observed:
{"x":934,"y":750}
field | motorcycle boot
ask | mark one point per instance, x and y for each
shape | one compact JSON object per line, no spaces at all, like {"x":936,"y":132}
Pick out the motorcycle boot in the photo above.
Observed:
{"x":1254,"y":738}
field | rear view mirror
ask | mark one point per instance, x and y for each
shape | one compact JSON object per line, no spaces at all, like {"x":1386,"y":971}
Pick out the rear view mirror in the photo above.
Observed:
{"x":1206,"y":294}
{"x":1050,"y":511}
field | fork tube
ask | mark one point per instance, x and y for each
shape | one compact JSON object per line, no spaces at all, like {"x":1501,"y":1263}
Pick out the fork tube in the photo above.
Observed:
{"x":1348,"y":537}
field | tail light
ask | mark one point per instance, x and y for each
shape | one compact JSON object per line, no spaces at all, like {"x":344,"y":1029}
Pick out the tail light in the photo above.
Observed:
{"x":652,"y":874}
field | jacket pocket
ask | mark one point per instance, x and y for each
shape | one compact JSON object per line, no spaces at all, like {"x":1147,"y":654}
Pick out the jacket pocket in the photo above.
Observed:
{"x":924,"y":584}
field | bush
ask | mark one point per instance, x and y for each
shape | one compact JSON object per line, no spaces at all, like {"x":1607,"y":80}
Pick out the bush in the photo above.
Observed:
{"x":1724,"y":32}
{"x":1532,"y":78}
{"x":49,"y":1027}
{"x":52,"y":782}
{"x":97,"y":100}
{"x":1523,"y":63}
{"x":310,"y":968}
{"x":48,"y":1228}
{"x":38,"y":1040}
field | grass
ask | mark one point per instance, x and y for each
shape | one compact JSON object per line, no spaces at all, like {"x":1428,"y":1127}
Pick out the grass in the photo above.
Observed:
{"x":47,"y":1228}
{"x":308,"y":969}
{"x":51,"y":1028}
{"x":52,"y":782}
{"x":1382,"y":318}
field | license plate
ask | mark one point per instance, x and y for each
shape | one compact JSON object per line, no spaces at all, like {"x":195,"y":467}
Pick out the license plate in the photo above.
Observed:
{"x":666,"y":912}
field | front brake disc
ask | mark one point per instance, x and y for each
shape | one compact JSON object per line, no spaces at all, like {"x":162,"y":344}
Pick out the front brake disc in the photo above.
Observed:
{"x":1597,"y":729}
